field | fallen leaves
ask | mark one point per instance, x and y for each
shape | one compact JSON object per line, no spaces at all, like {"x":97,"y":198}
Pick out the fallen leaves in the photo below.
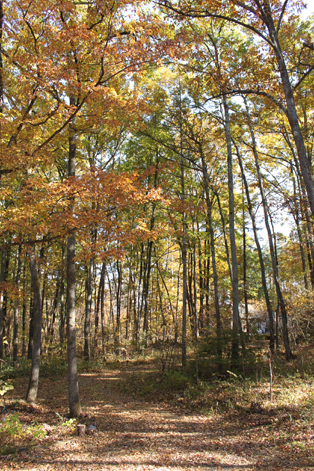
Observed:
{"x":138,"y":434}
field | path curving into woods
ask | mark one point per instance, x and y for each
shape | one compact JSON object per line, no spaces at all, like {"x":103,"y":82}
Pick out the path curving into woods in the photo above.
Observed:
{"x":136,"y":434}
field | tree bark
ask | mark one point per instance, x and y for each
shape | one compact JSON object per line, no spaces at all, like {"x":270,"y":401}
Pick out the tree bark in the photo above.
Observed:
{"x":98,"y":302}
{"x":73,"y":387}
{"x":271,"y":246}
{"x":62,"y":303}
{"x":184,"y":246}
{"x":209,"y":204}
{"x":30,"y":329}
{"x":2,"y":274}
{"x":291,"y":108}
{"x":245,"y":288}
{"x":37,"y":320}
{"x":102,"y":311}
{"x":260,"y":255}
{"x":88,"y":308}
{"x":24,"y":314}
{"x":16,"y":306}
{"x":303,"y":207}
{"x":54,"y":311}
{"x":118,"y":305}
{"x":224,"y":233}
{"x":235,"y":282}
{"x":139,"y":300}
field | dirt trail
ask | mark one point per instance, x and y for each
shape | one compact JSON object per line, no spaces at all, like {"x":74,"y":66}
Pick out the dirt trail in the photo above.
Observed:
{"x":133,"y":434}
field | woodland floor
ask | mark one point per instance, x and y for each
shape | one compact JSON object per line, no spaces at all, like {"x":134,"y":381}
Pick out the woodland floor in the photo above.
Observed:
{"x":136,"y":433}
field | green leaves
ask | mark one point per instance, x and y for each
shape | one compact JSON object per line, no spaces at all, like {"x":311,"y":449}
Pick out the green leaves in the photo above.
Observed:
{"x":5,"y":387}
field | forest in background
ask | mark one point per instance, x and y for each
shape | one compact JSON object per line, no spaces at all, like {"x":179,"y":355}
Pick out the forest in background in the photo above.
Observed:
{"x":156,"y":180}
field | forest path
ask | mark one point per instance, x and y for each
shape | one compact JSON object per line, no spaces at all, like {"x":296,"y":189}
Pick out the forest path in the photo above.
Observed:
{"x":136,"y":434}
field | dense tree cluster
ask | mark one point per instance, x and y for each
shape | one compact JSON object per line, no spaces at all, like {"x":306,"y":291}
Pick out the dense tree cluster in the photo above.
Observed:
{"x":153,"y":158}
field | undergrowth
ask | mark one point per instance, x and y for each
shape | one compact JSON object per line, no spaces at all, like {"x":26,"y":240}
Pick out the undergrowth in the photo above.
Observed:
{"x":205,"y":383}
{"x":246,"y":388}
{"x":13,"y":434}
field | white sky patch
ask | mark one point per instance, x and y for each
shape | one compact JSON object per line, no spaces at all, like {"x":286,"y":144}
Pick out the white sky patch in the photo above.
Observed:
{"x":310,"y":8}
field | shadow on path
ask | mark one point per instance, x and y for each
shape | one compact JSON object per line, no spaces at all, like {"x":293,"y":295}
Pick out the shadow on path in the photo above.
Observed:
{"x":133,"y":434}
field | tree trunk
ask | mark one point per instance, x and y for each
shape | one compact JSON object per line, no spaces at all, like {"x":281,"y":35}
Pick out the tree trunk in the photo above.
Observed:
{"x":296,"y":217}
{"x":62,"y":303}
{"x":37,"y":320}
{"x":6,"y":318}
{"x":98,"y":302}
{"x":213,"y":257}
{"x":271,"y":246}
{"x":245,"y":290}
{"x":260,"y":254}
{"x":73,"y":388}
{"x":88,"y":308}
{"x":102,"y":312}
{"x":303,"y":207}
{"x":224,"y":233}
{"x":196,"y":323}
{"x":201,"y":278}
{"x":139,"y":300}
{"x":291,"y":108}
{"x":24,"y":315}
{"x":118,"y":305}
{"x":233,"y":247}
{"x":184,"y":246}
{"x":54,"y":311}
{"x":2,"y":274}
{"x":30,"y":329}
{"x":16,"y":307}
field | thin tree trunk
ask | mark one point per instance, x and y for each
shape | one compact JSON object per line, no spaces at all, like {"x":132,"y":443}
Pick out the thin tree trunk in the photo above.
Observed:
{"x":111,"y":315}
{"x":30,"y":329}
{"x":6,"y":318}
{"x":167,"y":291}
{"x":88,"y":308}
{"x":118,"y":301}
{"x":147,"y":279}
{"x":16,"y":307}
{"x":102,"y":313}
{"x":184,"y":246}
{"x":54,"y":310}
{"x":296,"y":216}
{"x":233,"y":247}
{"x":224,"y":233}
{"x":24,"y":314}
{"x":209,"y":204}
{"x":271,"y":246}
{"x":201,"y":282}
{"x":260,"y":254}
{"x":194,"y":287}
{"x":43,"y":294}
{"x":73,"y":388}
{"x":37,"y":319}
{"x":245,"y":290}
{"x":62,"y":302}
{"x":177,"y":300}
{"x":190,"y":293}
{"x":98,"y":301}
{"x":2,"y":274}
{"x":215,"y":276}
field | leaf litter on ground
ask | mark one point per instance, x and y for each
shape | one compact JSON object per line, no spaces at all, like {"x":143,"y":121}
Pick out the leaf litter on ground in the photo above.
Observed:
{"x":218,"y":429}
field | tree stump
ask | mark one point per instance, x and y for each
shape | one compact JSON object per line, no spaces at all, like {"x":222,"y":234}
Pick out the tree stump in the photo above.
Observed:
{"x":81,"y":429}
